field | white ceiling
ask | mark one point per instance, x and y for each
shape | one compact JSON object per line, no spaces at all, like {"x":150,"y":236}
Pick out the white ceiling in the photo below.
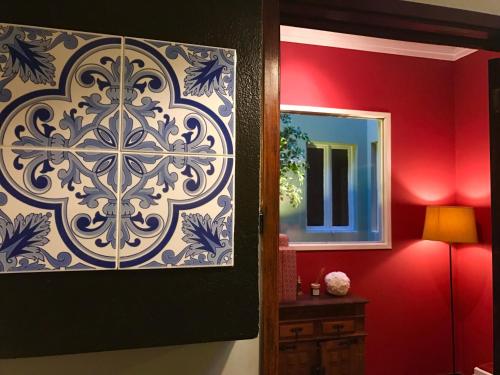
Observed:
{"x":364,"y":43}
{"x":483,"y":6}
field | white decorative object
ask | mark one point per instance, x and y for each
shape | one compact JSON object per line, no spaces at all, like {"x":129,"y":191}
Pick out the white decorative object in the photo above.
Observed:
{"x":337,"y":283}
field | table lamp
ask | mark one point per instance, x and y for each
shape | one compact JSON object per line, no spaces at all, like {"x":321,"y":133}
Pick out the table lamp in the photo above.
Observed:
{"x":450,"y":224}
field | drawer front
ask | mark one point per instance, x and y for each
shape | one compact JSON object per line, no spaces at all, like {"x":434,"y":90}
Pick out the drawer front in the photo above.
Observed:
{"x":337,"y":327}
{"x":296,"y":330}
{"x":299,"y":358}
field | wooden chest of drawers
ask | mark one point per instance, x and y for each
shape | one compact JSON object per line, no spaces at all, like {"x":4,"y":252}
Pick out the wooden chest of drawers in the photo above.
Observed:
{"x":323,"y":336}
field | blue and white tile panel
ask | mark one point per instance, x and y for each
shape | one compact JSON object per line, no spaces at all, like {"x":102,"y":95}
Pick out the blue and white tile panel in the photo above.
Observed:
{"x":114,"y":152}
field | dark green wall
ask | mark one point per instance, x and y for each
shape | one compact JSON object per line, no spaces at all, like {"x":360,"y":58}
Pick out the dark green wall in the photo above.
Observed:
{"x":56,"y":313}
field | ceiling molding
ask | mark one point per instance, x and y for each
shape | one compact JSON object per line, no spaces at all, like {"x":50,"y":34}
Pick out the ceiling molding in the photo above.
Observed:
{"x":364,"y":43}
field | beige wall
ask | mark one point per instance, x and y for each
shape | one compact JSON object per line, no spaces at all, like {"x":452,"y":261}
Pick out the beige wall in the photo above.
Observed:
{"x":223,"y":358}
{"x":484,"y":6}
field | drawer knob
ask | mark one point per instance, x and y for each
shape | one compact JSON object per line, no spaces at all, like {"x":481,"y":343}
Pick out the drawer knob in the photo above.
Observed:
{"x":296,"y":330}
{"x":337,"y":326}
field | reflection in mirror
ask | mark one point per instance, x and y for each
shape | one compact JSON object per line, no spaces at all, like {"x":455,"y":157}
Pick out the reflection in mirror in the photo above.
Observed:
{"x":334,"y":174}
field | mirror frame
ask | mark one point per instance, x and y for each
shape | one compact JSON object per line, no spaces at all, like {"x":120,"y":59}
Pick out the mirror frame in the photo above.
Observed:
{"x":385,"y":161}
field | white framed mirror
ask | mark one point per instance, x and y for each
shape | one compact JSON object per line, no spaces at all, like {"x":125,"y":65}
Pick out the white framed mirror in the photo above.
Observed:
{"x":335,"y":180}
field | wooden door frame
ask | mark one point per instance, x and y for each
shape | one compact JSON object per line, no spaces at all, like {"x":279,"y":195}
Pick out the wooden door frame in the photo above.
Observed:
{"x":392,"y":19}
{"x":269,"y":191}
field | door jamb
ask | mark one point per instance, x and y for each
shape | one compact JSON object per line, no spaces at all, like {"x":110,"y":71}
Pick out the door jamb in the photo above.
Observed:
{"x":270,"y":190}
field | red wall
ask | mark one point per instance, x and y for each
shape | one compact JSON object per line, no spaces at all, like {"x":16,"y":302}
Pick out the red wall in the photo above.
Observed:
{"x":473,"y":263}
{"x":408,"y":314}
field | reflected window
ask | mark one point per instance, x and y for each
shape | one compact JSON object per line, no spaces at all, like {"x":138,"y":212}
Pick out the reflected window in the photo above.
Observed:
{"x":329,"y":186}
{"x":341,"y":192}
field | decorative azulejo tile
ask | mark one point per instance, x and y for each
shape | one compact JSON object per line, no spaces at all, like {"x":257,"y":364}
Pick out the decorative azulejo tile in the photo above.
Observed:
{"x":114,"y":152}
{"x":59,"y":89}
{"x":57,"y":210}
{"x":178,"y":98}
{"x":177,"y":210}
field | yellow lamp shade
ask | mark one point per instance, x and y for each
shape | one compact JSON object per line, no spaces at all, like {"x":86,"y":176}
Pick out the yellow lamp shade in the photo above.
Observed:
{"x":452,"y":224}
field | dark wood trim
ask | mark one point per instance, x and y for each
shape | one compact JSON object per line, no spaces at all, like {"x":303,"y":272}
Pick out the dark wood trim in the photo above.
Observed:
{"x":270,"y":190}
{"x":395,"y":19}
{"x":494,"y":86}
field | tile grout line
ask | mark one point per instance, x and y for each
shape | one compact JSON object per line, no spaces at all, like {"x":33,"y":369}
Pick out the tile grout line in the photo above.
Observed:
{"x":119,"y":152}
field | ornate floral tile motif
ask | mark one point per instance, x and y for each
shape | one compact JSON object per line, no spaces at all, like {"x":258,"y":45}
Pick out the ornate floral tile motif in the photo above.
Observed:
{"x":114,"y":152}
{"x":59,"y":89}
{"x":179,"y":98}
{"x":176,"y":210}
{"x":56,"y":212}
